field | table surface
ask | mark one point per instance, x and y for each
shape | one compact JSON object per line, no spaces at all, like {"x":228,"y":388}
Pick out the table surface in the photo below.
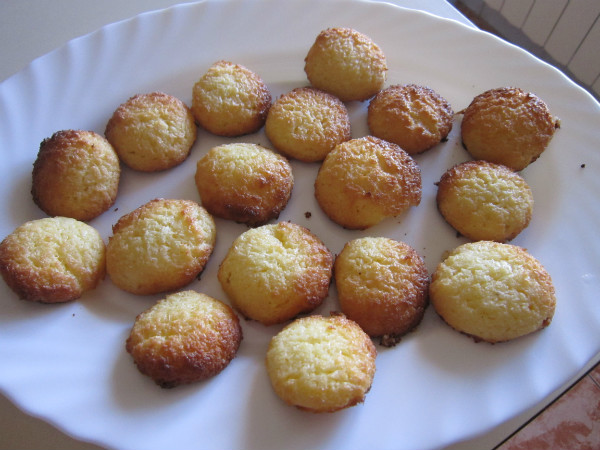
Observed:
{"x":32,"y":28}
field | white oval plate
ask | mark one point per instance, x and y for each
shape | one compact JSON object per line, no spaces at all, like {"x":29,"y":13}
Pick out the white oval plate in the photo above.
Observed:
{"x":67,"y":363}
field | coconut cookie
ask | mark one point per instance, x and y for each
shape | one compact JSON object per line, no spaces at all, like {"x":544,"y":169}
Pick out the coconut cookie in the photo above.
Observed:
{"x":152,"y":132}
{"x":52,"y":260}
{"x":76,"y":174}
{"x":346,"y":63}
{"x":382,"y":285}
{"x":321,"y":364}
{"x":307,"y":123}
{"x":244,"y":182}
{"x":508,"y":126}
{"x":275,"y":272}
{"x":184,"y":338}
{"x":493,"y":292}
{"x":230,"y":100}
{"x":414,"y":117}
{"x":365,"y":180}
{"x":161,"y":246}
{"x":485,"y":201}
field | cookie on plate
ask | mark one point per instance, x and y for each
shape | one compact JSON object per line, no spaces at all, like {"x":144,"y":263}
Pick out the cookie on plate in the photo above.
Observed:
{"x":485,"y":201}
{"x":412,"y":116}
{"x":76,"y":174}
{"x":492,"y":291}
{"x":382,"y":285}
{"x":53,"y":260}
{"x":321,"y":364}
{"x":365,"y":180}
{"x":346,"y":63}
{"x":184,"y":338}
{"x":307,"y":123}
{"x":230,"y":100}
{"x":152,"y":132}
{"x":507,"y":126}
{"x":275,"y":272}
{"x":160,"y":246}
{"x":244,"y":182}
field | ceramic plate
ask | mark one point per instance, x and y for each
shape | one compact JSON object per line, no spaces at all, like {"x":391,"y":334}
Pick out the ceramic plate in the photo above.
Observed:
{"x":67,"y":363}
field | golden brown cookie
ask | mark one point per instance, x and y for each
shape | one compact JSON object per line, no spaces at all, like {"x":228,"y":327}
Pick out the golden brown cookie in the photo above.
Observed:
{"x":76,"y":174}
{"x":184,"y":338}
{"x":152,"y":132}
{"x":321,"y":364}
{"x":244,"y":182}
{"x":507,"y":126}
{"x":485,"y":201}
{"x":52,"y":260}
{"x":382,"y":285}
{"x":346,"y":63}
{"x":365,"y":180}
{"x":414,"y":117}
{"x":275,"y":272}
{"x":230,"y":100}
{"x":160,"y":246}
{"x":307,"y":123}
{"x":492,"y":291}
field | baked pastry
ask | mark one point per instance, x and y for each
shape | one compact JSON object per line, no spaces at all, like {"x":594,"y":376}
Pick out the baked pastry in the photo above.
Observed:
{"x":53,"y":260}
{"x":485,"y":201}
{"x":152,"y":132}
{"x":275,"y":272}
{"x":492,"y":291}
{"x":307,"y":123}
{"x":244,"y":182}
{"x":230,"y":100}
{"x":382,"y":285}
{"x":507,"y":126}
{"x":365,"y":180}
{"x":160,"y":246}
{"x":184,"y":338}
{"x":346,"y":63}
{"x":321,"y":364}
{"x":76,"y":174}
{"x":414,"y":117}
